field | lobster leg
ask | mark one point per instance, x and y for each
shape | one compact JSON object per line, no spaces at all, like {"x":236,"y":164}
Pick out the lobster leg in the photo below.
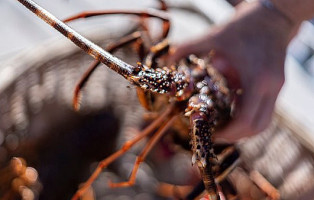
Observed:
{"x":134,"y":37}
{"x":138,"y":75}
{"x":104,"y":163}
{"x":156,"y":51}
{"x":225,"y":173}
{"x":189,"y":192}
{"x":143,"y":14}
{"x":264,"y":185}
{"x":144,"y":153}
{"x":224,"y":154}
{"x":198,"y":189}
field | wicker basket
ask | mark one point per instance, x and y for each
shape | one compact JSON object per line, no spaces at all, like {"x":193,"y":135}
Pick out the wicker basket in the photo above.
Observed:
{"x":280,"y":157}
{"x":37,"y":123}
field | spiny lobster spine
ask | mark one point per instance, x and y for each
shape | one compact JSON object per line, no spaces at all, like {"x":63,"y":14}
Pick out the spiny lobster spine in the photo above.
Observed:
{"x":139,"y":75}
{"x":202,"y":148}
{"x":207,"y":108}
{"x":161,"y":80}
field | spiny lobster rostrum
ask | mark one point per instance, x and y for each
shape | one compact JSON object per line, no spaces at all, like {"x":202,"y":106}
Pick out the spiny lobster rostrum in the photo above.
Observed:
{"x":192,"y":87}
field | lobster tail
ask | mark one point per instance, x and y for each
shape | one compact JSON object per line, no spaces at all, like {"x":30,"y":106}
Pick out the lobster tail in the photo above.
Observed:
{"x":202,"y":148}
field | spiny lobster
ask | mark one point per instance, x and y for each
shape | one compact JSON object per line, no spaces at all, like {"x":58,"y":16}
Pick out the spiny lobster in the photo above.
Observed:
{"x":194,"y":87}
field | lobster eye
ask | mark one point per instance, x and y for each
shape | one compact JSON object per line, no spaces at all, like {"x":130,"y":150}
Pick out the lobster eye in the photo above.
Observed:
{"x":138,"y":68}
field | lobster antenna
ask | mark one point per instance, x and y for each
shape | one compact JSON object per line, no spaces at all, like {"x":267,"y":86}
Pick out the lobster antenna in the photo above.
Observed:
{"x":89,"y":47}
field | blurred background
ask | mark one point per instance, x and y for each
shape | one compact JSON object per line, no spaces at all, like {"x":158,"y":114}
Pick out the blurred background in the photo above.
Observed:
{"x":38,"y":71}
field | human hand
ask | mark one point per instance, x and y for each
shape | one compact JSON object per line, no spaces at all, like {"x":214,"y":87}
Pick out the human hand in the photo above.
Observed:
{"x":250,"y":50}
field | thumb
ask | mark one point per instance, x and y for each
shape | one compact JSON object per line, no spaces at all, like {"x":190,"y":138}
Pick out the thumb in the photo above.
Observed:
{"x":198,"y":47}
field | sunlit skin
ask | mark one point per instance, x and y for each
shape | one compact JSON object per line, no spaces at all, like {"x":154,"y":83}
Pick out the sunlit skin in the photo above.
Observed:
{"x":250,"y":51}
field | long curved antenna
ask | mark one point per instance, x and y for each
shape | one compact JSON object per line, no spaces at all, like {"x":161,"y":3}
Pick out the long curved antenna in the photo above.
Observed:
{"x":139,"y":75}
{"x":89,"y":47}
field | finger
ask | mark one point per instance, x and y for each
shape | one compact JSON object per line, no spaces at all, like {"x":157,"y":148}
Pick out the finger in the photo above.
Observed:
{"x":241,"y":125}
{"x":183,"y":51}
{"x":256,"y":96}
{"x":255,"y":108}
{"x":264,"y":117}
{"x":200,"y":46}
